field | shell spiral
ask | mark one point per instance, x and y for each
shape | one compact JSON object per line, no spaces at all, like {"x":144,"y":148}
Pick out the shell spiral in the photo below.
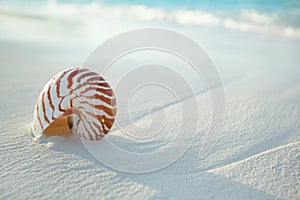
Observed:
{"x":76,"y":100}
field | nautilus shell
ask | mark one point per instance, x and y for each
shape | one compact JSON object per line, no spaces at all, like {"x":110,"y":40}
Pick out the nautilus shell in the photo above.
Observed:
{"x":76,"y":100}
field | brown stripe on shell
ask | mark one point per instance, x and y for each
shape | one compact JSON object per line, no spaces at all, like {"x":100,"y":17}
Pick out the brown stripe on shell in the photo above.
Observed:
{"x":109,"y":111}
{"x":102,"y":98}
{"x":38,"y":115}
{"x":86,"y":75}
{"x":44,"y":109}
{"x":50,"y":100}
{"x":107,"y":91}
{"x":58,"y":82}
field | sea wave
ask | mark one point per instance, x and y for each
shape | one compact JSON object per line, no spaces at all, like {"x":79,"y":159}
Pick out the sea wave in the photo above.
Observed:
{"x":244,"y":20}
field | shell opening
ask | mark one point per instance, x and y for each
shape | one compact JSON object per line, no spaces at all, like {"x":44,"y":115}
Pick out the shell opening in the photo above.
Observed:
{"x":70,"y":122}
{"x":60,"y":127}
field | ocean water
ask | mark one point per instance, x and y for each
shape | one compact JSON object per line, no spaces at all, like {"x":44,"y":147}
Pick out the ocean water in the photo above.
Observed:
{"x":270,"y":17}
{"x":267,"y":5}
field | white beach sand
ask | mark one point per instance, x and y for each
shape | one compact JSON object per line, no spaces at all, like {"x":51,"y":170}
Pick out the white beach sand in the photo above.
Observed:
{"x":257,"y":156}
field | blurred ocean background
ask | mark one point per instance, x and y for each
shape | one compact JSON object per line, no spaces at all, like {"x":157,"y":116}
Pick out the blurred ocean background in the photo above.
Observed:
{"x":270,"y":17}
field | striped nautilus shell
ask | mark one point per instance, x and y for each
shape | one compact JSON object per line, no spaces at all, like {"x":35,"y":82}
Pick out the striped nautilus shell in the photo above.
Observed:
{"x":76,"y":100}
